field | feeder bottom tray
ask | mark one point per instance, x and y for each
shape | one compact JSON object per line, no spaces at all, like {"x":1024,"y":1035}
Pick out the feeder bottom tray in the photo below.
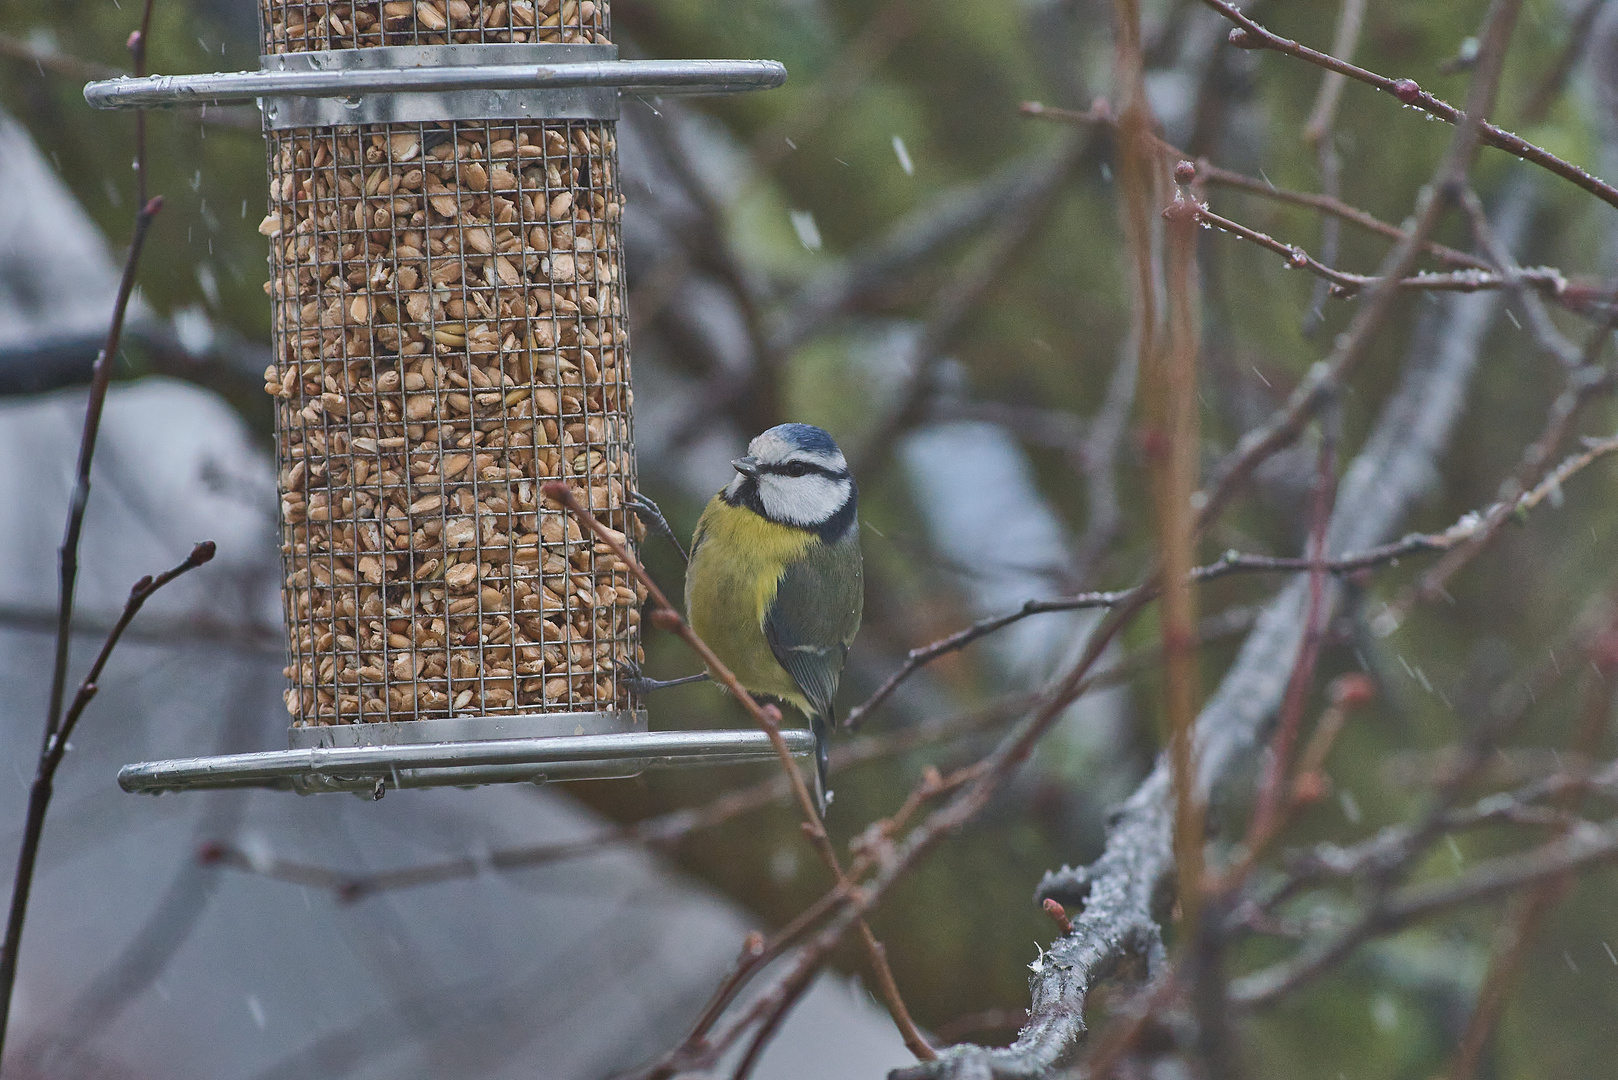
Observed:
{"x":462,"y":752}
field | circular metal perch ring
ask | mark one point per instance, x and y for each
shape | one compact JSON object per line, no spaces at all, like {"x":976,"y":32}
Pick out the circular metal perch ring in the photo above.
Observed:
{"x":439,"y":82}
{"x":370,"y":770}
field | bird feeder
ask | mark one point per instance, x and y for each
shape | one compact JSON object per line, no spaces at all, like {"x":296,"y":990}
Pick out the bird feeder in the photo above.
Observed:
{"x":449,"y":334}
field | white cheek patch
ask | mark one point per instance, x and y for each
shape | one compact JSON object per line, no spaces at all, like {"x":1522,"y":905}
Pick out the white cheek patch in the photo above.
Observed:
{"x":801,"y":500}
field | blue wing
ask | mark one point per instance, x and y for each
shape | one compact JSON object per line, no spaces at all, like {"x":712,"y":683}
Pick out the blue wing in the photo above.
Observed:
{"x":814,"y":617}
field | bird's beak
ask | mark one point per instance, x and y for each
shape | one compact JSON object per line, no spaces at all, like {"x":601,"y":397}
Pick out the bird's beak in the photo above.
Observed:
{"x":747,"y":466}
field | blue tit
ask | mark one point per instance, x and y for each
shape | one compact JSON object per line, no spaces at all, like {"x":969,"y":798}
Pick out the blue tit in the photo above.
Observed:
{"x":776,"y":584}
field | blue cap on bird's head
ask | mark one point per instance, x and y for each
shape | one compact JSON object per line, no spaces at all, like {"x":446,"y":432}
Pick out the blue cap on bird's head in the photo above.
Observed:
{"x":794,"y":442}
{"x":800,"y":436}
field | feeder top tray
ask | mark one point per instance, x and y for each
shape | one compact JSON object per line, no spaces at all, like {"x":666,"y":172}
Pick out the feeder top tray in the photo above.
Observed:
{"x":409,"y":83}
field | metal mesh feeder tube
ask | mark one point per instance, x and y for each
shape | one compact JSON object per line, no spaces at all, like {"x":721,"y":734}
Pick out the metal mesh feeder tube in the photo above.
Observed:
{"x":449,"y":334}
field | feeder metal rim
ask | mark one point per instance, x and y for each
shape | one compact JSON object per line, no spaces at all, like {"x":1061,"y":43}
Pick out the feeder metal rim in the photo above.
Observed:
{"x":659,"y":76}
{"x":412,"y":765}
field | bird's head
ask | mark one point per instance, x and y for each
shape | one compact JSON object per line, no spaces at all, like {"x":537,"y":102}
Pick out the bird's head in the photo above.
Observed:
{"x":793,"y":474}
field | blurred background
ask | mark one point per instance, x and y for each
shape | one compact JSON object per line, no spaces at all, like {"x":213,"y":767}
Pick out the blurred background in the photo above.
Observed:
{"x":886,"y":247}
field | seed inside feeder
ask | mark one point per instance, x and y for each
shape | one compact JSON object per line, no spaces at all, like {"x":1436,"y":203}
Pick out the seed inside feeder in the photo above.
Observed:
{"x":449,"y":334}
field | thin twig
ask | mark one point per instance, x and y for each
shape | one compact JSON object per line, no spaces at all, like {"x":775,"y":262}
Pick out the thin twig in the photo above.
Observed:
{"x":1208,"y":173}
{"x":1319,"y":132}
{"x":1233,"y":562}
{"x":769,"y":721}
{"x":1250,"y":35}
{"x":1269,"y":814}
{"x":1345,"y":284}
{"x":1175,"y":432}
{"x":50,"y":758}
{"x":918,"y":658}
{"x":57,"y":727}
{"x":1563,"y":412}
{"x":106,"y":360}
{"x":137,"y":53}
{"x":1258,"y":445}
{"x":1539,"y":320}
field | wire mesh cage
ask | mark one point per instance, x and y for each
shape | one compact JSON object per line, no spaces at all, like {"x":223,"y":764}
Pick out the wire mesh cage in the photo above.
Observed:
{"x":303,"y":26}
{"x":449,"y":333}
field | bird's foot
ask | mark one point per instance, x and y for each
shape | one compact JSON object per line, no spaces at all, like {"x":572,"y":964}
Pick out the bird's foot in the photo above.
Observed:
{"x":650,"y":513}
{"x":640,"y":685}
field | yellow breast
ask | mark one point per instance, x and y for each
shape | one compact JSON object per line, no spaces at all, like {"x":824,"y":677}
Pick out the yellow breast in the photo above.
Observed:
{"x":735,"y":569}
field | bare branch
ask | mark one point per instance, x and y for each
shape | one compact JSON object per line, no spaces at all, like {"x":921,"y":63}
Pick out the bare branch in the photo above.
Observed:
{"x":50,"y":758}
{"x":58,"y":727}
{"x":1385,"y":478}
{"x":1464,"y":531}
{"x":1516,"y":279}
{"x":1250,"y":35}
{"x":1268,"y":814}
{"x":1350,"y":18}
{"x":1208,"y":173}
{"x":1448,"y":181}
{"x":1345,"y":284}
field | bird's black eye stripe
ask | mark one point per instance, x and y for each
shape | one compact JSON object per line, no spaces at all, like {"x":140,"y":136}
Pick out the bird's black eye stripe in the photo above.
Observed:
{"x":802,"y":468}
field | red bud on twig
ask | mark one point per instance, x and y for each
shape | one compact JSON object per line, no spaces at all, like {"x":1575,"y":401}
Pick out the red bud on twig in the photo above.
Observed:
{"x":1058,"y":913}
{"x":1407,"y":91}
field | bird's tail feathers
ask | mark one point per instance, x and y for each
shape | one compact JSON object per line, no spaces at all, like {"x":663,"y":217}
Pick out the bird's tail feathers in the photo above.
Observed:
{"x":821,"y":725}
